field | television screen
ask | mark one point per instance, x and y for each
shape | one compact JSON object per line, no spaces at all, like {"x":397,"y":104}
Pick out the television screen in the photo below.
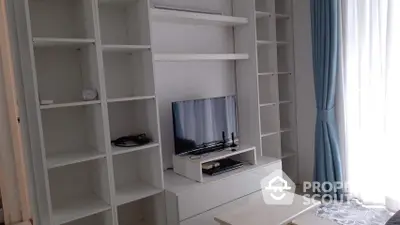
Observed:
{"x":199,"y":124}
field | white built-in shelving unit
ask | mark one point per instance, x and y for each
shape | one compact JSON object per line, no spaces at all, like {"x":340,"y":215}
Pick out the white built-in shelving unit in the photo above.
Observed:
{"x":196,"y":18}
{"x":199,"y":57}
{"x":276,"y":79}
{"x":106,"y":46}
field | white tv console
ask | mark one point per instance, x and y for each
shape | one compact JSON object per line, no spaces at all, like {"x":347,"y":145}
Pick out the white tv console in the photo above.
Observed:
{"x":188,"y":200}
{"x":190,"y":165}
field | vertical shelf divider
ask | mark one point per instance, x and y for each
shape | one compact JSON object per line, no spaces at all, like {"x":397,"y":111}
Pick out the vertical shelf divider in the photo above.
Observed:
{"x":149,"y":19}
{"x":104,"y":109}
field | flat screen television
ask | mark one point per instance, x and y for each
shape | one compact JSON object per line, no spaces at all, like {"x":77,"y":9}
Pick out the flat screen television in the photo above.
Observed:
{"x":200,"y":124}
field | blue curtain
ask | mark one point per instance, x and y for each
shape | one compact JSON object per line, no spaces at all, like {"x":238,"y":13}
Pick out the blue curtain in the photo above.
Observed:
{"x":325,"y":41}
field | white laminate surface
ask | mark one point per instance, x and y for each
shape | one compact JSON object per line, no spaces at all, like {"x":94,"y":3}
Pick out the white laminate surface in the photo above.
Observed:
{"x":251,"y":210}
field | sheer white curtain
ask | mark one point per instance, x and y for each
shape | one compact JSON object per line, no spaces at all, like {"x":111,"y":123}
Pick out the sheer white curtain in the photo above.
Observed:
{"x":371,"y":76}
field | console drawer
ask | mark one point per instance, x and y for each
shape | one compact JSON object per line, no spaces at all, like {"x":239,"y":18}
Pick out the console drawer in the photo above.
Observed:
{"x":210,"y":195}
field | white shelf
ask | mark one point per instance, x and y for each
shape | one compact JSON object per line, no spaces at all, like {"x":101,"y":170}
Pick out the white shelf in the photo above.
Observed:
{"x":133,"y":192}
{"x":164,"y":15}
{"x":72,"y":104}
{"x":284,"y":73}
{"x":274,"y":73}
{"x":266,"y":74}
{"x":127,"y":99}
{"x":114,"y":2}
{"x":67,"y":42}
{"x":268,"y":134}
{"x":122,"y":150}
{"x":285,"y":102}
{"x":287,"y":154}
{"x":79,"y":208}
{"x":64,"y":159}
{"x":125,"y":48}
{"x":213,"y":156}
{"x":264,"y":42}
{"x":267,"y":104}
{"x":199,"y":57}
{"x":282,"y":16}
{"x":260,"y":14}
{"x":283,"y":130}
{"x":282,"y":42}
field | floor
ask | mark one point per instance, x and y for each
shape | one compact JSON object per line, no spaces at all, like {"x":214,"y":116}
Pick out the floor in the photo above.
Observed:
{"x":351,"y":212}
{"x":309,"y":218}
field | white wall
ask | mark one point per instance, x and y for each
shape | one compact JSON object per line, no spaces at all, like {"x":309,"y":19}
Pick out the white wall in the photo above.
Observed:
{"x":306,"y":106}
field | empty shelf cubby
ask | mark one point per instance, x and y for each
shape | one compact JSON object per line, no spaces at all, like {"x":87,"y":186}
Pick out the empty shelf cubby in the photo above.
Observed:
{"x":73,"y":134}
{"x":62,"y":18}
{"x":283,"y":6}
{"x":79,"y":190}
{"x":265,"y":28}
{"x":137,"y":175}
{"x":271,"y":145}
{"x":268,"y":89}
{"x":146,"y":211}
{"x":287,"y":116}
{"x":71,"y":71}
{"x":283,"y":29}
{"x":269,"y":119}
{"x":265,"y":5}
{"x":124,"y":23}
{"x":284,"y":59}
{"x":286,"y":87}
{"x":128,"y":75}
{"x":266,"y":56}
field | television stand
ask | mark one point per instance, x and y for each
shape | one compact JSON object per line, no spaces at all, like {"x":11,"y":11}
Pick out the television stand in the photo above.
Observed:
{"x":208,"y":150}
{"x":191,"y":167}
